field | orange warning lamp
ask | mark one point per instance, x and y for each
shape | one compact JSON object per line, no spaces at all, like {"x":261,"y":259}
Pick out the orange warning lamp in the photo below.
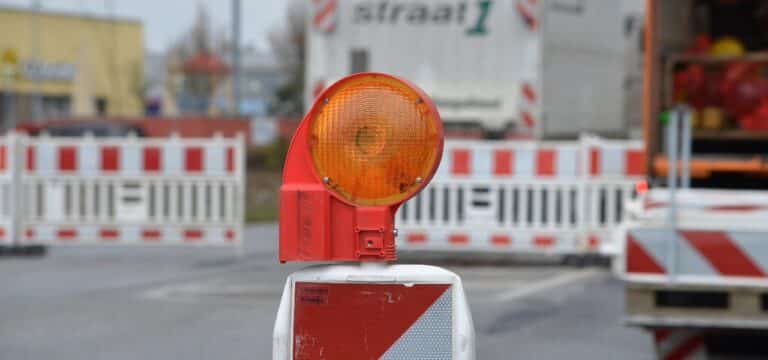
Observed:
{"x":370,"y":142}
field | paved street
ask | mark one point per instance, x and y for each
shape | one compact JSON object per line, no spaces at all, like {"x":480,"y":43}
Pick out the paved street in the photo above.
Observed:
{"x":161,"y":303}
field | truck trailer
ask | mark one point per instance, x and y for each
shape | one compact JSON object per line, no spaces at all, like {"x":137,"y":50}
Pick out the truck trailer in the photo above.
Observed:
{"x":546,"y":69}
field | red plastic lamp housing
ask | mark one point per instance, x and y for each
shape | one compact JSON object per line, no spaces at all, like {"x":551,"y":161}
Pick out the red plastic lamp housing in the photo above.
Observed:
{"x":370,"y":142}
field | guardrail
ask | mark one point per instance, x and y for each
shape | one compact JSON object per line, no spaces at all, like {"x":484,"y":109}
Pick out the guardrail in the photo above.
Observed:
{"x":121,"y":191}
{"x":527,"y":197}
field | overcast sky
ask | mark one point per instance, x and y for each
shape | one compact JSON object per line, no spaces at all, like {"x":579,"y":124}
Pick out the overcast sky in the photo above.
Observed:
{"x":165,"y":20}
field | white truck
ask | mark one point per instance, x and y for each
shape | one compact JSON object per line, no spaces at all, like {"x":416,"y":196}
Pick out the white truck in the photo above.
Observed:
{"x":695,"y":263}
{"x":535,"y":69}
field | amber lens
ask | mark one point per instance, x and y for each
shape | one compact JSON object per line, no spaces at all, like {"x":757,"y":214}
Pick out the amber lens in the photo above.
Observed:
{"x":374,"y":140}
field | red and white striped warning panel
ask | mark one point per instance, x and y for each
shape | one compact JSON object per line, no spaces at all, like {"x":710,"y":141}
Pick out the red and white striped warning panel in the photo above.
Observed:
{"x":130,"y":157}
{"x":697,"y":254}
{"x":674,"y":344}
{"x":565,"y":198}
{"x":374,"y":311}
{"x":529,"y":105}
{"x":123,"y":191}
{"x":325,"y":15}
{"x":545,"y":160}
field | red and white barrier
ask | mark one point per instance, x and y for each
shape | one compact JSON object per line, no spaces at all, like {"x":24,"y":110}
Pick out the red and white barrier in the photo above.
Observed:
{"x":124,"y":191}
{"x":589,"y":157}
{"x":373,"y":311}
{"x":540,"y":197}
{"x":708,"y":256}
{"x":676,"y":344}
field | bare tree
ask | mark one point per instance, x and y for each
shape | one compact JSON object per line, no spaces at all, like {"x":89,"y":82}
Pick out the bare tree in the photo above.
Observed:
{"x":197,"y":39}
{"x":287,"y":44}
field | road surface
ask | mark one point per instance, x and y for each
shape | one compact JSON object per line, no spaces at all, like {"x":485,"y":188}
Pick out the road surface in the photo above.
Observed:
{"x":194,"y":303}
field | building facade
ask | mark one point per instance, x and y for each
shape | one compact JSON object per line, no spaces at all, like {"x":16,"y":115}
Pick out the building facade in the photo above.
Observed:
{"x":55,"y":65}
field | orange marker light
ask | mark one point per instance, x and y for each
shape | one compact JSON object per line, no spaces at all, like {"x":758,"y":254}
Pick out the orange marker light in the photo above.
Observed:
{"x":370,"y":142}
{"x":375,"y":140}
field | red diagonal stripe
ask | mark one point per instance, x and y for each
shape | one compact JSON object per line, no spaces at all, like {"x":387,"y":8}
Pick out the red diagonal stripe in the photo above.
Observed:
{"x":661,"y":335}
{"x":528,"y":119}
{"x":639,"y":260}
{"x":686,"y":349}
{"x":325,"y":11}
{"x":356,"y":321}
{"x":528,"y":92}
{"x":723,"y":253}
{"x":527,"y":16}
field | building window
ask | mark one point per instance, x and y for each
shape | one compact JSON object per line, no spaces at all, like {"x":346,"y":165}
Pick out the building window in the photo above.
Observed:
{"x":101,"y":106}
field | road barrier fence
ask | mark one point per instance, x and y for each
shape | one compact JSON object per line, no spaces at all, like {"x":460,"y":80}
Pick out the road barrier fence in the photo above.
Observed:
{"x":121,"y":191}
{"x":528,"y":197}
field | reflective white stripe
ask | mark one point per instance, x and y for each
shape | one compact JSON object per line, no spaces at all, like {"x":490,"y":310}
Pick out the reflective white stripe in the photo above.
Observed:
{"x":612,"y":161}
{"x":567,"y":163}
{"x":481,"y":162}
{"x":88,"y":157}
{"x":215,"y":159}
{"x":131,"y":160}
{"x":525,"y":162}
{"x":172,"y":156}
{"x":47,"y":158}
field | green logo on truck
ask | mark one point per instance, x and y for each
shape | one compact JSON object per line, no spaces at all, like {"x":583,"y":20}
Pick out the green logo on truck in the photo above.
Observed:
{"x":473,"y":15}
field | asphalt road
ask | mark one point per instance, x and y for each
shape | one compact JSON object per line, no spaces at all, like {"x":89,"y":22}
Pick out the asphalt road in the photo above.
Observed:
{"x":163,"y":303}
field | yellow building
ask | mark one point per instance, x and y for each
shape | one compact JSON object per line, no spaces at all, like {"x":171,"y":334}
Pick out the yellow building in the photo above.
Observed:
{"x":60,"y":65}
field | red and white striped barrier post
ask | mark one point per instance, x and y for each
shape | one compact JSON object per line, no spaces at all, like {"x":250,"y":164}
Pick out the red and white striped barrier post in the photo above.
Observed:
{"x":370,"y":142}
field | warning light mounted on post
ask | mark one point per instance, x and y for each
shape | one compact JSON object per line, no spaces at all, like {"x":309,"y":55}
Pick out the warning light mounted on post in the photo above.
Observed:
{"x":370,"y":142}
